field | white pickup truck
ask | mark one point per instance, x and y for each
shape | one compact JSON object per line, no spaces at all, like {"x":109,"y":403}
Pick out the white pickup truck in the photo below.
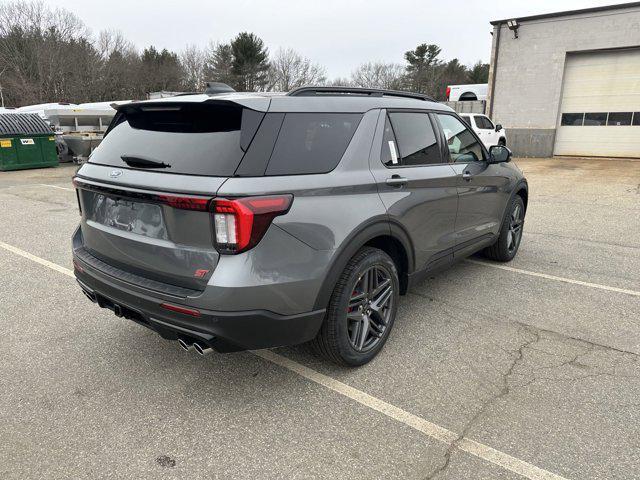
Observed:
{"x":489,"y":133}
{"x":461,"y":93}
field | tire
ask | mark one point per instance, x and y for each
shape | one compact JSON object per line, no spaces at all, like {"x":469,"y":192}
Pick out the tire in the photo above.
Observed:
{"x":340,"y":338}
{"x":502,"y":142}
{"x":506,"y":247}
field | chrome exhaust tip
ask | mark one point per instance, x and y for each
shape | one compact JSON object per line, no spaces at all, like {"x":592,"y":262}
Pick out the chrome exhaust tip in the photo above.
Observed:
{"x":200,"y":350}
{"x":187,"y":347}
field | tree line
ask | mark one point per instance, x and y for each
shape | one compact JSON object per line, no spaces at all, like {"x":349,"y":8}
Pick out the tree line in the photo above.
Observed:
{"x":48,"y":55}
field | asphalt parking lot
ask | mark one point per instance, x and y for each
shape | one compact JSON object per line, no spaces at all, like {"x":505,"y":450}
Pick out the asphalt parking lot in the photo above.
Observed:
{"x":527,"y":371}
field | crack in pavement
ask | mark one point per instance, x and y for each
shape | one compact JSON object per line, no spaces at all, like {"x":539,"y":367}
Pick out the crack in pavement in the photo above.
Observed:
{"x":507,"y":321}
{"x":504,"y":391}
{"x":534,"y":336}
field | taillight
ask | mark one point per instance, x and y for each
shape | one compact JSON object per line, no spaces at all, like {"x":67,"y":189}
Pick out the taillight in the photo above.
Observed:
{"x":185,"y":203}
{"x":242,"y":222}
{"x":182,"y":202}
{"x":448,"y":92}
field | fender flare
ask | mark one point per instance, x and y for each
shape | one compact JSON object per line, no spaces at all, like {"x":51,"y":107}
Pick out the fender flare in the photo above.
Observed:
{"x":350,"y":247}
{"x":520,"y":185}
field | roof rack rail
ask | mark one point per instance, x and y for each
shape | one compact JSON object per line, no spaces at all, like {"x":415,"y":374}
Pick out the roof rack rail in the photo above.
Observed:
{"x":371,"y":92}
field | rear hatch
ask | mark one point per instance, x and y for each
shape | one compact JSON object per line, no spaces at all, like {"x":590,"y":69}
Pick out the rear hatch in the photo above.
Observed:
{"x":145,"y":192}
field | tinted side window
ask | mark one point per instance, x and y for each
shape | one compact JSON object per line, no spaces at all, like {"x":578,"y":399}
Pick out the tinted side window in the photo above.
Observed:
{"x":484,"y":123}
{"x":466,"y":120}
{"x":416,"y":139}
{"x":463,"y":146}
{"x":312,"y":142}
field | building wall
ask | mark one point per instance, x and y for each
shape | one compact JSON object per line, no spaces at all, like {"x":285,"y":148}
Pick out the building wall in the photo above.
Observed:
{"x":525,"y":94}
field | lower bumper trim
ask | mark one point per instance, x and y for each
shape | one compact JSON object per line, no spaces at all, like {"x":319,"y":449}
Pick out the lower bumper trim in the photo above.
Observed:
{"x":222,"y":331}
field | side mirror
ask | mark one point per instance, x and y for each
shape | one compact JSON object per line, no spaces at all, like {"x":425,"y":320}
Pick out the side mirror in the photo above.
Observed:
{"x":499,"y":154}
{"x":498,"y":127}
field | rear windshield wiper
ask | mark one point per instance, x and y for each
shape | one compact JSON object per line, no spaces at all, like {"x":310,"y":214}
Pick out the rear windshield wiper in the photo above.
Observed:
{"x":140,"y":162}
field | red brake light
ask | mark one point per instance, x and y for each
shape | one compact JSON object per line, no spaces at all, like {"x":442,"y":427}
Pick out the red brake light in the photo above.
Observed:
{"x":448,"y":92}
{"x":185,"y":203}
{"x":242,"y":222}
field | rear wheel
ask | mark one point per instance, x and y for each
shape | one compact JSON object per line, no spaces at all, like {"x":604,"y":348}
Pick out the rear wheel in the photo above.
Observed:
{"x":361,"y":311}
{"x":508,"y":242}
{"x":502,"y":142}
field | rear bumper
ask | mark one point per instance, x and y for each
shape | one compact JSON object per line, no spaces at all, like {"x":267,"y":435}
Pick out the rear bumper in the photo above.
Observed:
{"x":222,"y":331}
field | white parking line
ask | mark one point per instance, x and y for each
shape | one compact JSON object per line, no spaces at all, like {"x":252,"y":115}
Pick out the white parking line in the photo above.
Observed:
{"x":557,"y":279}
{"x":33,"y":258}
{"x":432,"y":430}
{"x":423,"y":426}
{"x":56,"y":186}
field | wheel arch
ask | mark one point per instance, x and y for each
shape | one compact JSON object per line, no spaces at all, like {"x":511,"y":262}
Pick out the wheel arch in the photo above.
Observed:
{"x":522,"y":190}
{"x":388,"y":237}
{"x":468,"y":97}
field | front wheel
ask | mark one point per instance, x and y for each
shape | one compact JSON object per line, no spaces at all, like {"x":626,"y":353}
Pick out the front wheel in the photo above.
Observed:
{"x":506,"y":247}
{"x":361,"y":311}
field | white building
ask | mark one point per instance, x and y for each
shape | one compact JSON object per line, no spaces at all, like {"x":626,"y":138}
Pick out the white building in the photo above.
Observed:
{"x":568,"y":83}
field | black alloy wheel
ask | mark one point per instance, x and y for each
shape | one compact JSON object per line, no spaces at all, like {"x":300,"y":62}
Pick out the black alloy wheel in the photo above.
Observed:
{"x":514,"y":234}
{"x":369,"y":309}
{"x":361,"y":311}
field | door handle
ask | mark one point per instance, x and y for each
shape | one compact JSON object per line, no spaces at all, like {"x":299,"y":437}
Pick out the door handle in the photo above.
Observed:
{"x":396,"y":181}
{"x":467,"y":176}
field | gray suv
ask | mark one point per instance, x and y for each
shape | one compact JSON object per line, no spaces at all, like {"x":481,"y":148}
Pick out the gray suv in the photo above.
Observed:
{"x":246,"y":221}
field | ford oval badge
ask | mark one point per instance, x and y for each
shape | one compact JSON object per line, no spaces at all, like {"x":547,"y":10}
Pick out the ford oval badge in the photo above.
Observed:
{"x":115,"y":173}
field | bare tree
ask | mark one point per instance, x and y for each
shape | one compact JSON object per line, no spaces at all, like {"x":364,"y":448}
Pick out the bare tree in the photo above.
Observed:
{"x":378,"y":75}
{"x":113,"y":41}
{"x":288,"y":69}
{"x":193,"y":61}
{"x":340,"y":82}
{"x":47,"y":52}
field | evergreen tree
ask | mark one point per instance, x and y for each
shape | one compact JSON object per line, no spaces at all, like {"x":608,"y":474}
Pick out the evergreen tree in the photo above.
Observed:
{"x":162,"y":70}
{"x":250,"y":62}
{"x":479,"y":73}
{"x":219,"y":65}
{"x":422,"y":67}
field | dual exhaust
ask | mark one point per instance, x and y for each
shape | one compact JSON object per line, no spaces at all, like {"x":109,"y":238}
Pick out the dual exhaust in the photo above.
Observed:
{"x":199,"y":348}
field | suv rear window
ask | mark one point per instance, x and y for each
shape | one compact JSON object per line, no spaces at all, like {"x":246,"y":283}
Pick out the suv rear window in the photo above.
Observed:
{"x":311,"y":142}
{"x":196,"y":139}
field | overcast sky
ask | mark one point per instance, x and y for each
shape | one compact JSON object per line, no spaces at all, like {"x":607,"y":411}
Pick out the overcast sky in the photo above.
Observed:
{"x":339,"y":34}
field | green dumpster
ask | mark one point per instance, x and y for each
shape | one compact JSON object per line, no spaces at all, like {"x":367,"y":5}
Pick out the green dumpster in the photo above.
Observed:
{"x":26,"y":141}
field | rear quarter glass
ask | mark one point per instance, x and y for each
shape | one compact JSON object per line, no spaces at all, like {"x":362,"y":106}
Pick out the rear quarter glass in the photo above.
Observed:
{"x":311,"y":143}
{"x":200,"y":139}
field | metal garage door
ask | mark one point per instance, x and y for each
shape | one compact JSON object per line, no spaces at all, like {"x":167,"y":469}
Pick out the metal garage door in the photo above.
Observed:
{"x":600,"y":107}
